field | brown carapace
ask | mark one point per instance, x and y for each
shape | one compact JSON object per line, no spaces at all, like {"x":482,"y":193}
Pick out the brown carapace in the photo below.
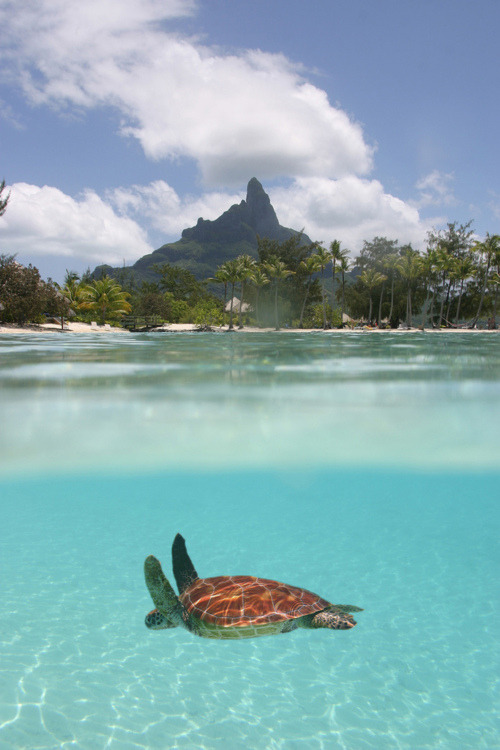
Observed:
{"x":235,"y":606}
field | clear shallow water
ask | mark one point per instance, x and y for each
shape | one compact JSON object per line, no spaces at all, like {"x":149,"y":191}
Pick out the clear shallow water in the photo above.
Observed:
{"x":208,"y":400}
{"x":374,"y":481}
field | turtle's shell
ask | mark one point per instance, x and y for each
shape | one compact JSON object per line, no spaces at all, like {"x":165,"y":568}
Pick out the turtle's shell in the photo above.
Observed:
{"x":246,"y":602}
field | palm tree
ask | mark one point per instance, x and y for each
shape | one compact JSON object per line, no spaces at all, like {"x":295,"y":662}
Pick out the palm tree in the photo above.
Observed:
{"x":246,"y":264}
{"x":278,"y":271}
{"x":344,"y":267}
{"x":72,"y":288}
{"x":451,"y":245}
{"x":309,"y":266}
{"x":428,"y":268}
{"x":60,"y":301}
{"x":495,"y":280}
{"x":323,"y":258}
{"x":445,"y":263}
{"x":259,"y":278}
{"x":390,"y":263}
{"x":3,"y":201}
{"x":222,"y":277}
{"x":371,"y":279}
{"x":233,"y":275}
{"x":409,"y":267}
{"x":336,"y":254}
{"x":490,"y":249}
{"x":464,"y":269}
{"x":106,"y":297}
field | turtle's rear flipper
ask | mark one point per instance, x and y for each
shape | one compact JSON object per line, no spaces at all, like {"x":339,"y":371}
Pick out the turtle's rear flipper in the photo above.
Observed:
{"x":184,"y":570}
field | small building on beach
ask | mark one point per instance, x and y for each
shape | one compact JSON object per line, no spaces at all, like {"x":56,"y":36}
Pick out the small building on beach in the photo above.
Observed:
{"x":245,"y":307}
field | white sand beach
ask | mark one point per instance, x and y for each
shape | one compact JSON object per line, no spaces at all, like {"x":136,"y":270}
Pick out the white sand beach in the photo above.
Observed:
{"x":77,"y":327}
{"x":68,"y":327}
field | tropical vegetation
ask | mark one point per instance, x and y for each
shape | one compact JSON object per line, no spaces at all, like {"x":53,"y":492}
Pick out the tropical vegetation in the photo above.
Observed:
{"x":453,"y":282}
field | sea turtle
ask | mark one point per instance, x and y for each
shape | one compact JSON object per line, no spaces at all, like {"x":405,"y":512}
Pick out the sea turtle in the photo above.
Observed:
{"x":234,"y":606}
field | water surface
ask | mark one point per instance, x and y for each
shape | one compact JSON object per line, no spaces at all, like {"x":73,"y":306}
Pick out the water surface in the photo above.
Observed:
{"x":360,"y":466}
{"x":250,"y":399}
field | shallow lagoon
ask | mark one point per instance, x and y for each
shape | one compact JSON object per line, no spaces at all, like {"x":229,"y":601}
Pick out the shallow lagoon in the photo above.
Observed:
{"x":361,"y":466}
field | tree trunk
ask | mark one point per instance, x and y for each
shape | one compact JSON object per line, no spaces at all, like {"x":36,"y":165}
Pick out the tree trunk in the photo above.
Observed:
{"x":431,"y":313}
{"x":448,"y":301}
{"x":483,"y":292}
{"x":257,"y":307}
{"x":370,"y":310}
{"x":301,"y":321}
{"x":441,"y":309}
{"x":323,"y":296}
{"x":225,"y":302}
{"x":459,"y":301}
{"x":230,"y":327}
{"x":276,"y":319}
{"x":426,"y":306}
{"x":380,"y":304}
{"x":451,"y":289}
{"x":333,"y":283}
{"x":408,"y":308}
{"x":343,"y":290}
{"x":240,"y":322}
{"x":392,"y":297}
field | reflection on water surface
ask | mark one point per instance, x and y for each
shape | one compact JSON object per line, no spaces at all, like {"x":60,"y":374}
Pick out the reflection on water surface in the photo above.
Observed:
{"x":273,"y":399}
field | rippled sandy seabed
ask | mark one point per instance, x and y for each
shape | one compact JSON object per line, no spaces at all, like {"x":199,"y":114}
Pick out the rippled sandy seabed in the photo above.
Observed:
{"x":360,"y":468}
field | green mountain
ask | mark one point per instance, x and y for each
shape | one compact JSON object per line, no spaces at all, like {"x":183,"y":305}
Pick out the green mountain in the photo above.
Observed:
{"x":208,"y":244}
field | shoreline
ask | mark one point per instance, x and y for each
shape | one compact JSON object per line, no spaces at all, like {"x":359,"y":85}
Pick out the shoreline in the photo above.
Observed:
{"x":191,"y":327}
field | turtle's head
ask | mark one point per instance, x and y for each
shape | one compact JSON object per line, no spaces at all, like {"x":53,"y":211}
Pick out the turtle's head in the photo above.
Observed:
{"x":156,"y":621}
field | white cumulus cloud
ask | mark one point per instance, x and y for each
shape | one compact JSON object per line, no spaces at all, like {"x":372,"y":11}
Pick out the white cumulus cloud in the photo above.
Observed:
{"x":236,"y":114}
{"x":349,"y":209}
{"x":435,"y":189}
{"x":164,"y":210}
{"x":111,"y":229}
{"x":45,"y":221}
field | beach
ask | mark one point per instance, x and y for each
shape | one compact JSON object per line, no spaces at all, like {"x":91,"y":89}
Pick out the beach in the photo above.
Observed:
{"x":77,"y":327}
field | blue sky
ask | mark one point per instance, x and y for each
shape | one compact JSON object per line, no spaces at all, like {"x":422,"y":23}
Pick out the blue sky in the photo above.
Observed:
{"x":123,"y":121}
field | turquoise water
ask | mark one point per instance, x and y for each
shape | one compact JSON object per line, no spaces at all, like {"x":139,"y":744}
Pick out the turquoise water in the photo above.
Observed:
{"x":361,"y":466}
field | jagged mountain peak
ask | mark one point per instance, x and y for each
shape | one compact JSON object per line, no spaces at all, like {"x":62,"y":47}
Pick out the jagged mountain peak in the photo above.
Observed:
{"x":252,"y":216}
{"x":209,"y":243}
{"x":262,"y":216}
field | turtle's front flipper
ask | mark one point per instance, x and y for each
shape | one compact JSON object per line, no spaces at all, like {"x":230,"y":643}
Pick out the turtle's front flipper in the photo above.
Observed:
{"x":162,"y":593}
